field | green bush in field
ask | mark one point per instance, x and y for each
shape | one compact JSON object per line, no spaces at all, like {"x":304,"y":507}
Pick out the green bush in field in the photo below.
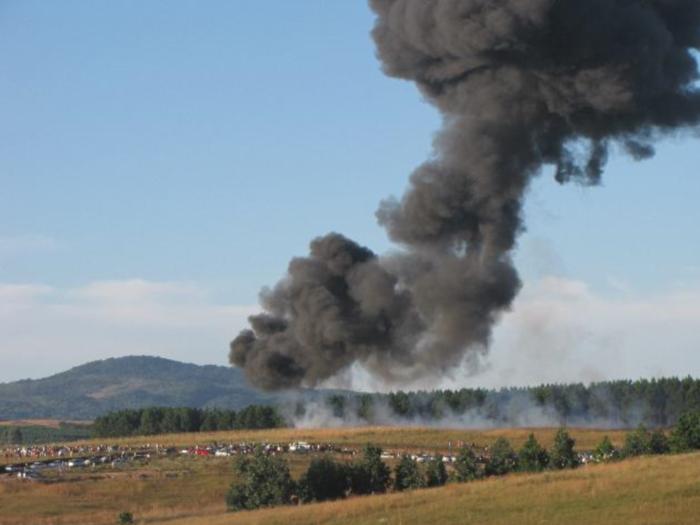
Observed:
{"x":605,"y":451}
{"x":466,"y":466}
{"x":125,"y":518}
{"x":686,"y":434}
{"x":659,"y":443}
{"x":407,"y":475}
{"x":263,"y":481}
{"x":324,"y":480}
{"x":503,"y":458}
{"x":563,"y":454}
{"x":532,"y":456}
{"x":370,"y":475}
{"x":435,"y":472}
{"x":636,"y":443}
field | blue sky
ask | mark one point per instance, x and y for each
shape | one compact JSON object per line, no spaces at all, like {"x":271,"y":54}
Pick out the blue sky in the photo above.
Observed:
{"x":178,"y":153}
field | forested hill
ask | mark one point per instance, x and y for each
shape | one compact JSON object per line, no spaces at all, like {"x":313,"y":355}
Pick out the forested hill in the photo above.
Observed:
{"x":87,"y":391}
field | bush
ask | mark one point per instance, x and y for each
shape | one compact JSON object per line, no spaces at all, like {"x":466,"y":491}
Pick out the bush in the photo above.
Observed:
{"x":125,"y":518}
{"x":324,"y":480}
{"x":605,"y":451}
{"x":435,"y":472}
{"x":658,"y":443}
{"x":407,"y":475}
{"x":532,"y":457}
{"x":563,"y":454}
{"x":370,"y":475}
{"x":636,"y":443}
{"x":503,"y":458}
{"x":686,"y":434}
{"x":467,"y":466}
{"x":263,"y":481}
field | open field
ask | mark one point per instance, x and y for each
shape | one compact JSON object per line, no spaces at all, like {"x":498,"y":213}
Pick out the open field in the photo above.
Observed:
{"x":48,"y":423}
{"x":193,"y":488}
{"x":651,"y":490}
{"x":387,"y":437}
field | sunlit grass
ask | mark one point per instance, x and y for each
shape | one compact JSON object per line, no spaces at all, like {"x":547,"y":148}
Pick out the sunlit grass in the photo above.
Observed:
{"x":187,"y":487}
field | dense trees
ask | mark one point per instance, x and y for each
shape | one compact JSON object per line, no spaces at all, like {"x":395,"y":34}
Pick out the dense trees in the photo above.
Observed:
{"x":654,"y":403}
{"x":11,"y":436}
{"x":157,"y":420}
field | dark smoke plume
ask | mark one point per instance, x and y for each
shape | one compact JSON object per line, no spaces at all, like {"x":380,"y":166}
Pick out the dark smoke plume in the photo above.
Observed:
{"x":520,"y":84}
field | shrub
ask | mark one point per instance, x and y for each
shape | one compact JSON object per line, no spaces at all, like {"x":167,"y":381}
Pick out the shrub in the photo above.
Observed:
{"x":658,"y":443}
{"x":503,"y":458}
{"x":532,"y":456}
{"x":467,"y":466}
{"x":263,"y":481}
{"x":605,"y":451}
{"x":636,"y":443}
{"x":324,"y":480}
{"x":125,"y":518}
{"x":686,"y":434}
{"x":370,"y":475}
{"x":435,"y":472}
{"x":563,"y":454}
{"x":407,"y":475}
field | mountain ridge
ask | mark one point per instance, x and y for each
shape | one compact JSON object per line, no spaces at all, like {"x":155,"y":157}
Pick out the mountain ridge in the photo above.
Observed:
{"x":96,"y":387}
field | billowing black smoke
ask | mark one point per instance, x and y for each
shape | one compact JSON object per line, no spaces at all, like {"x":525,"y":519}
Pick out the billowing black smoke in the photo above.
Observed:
{"x":520,"y":84}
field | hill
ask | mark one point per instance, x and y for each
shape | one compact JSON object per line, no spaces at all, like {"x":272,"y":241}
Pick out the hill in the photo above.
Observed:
{"x":86,"y":391}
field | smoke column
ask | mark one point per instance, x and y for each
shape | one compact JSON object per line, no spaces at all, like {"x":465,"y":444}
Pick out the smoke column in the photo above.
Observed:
{"x":520,"y":84}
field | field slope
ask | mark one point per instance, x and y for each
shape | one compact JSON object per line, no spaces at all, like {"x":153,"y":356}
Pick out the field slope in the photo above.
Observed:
{"x":652,"y":490}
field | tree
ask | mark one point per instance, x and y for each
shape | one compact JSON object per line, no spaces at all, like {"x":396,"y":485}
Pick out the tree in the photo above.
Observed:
{"x":686,"y":434}
{"x":658,"y":443}
{"x":370,"y":475}
{"x":263,"y":481}
{"x":150,"y":421}
{"x":407,"y":476}
{"x":14,"y":436}
{"x":503,"y":458}
{"x":532,"y":456}
{"x":636,"y":443}
{"x":605,"y":450}
{"x":563,"y":454}
{"x":324,"y":480}
{"x":125,"y":518}
{"x":435,"y":472}
{"x":466,"y":465}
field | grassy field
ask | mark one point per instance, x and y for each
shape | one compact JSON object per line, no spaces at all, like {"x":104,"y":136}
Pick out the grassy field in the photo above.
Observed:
{"x":652,"y":490}
{"x":187,"y":490}
{"x":387,"y":437}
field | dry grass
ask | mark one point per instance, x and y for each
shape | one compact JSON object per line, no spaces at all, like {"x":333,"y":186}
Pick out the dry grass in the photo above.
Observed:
{"x":50,"y":423}
{"x":171,"y":489}
{"x":658,"y":490}
{"x":387,"y":437}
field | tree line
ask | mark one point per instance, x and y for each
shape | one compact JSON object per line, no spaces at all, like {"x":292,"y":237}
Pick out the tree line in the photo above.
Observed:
{"x":265,"y":481}
{"x":167,"y":420}
{"x":654,"y":403}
